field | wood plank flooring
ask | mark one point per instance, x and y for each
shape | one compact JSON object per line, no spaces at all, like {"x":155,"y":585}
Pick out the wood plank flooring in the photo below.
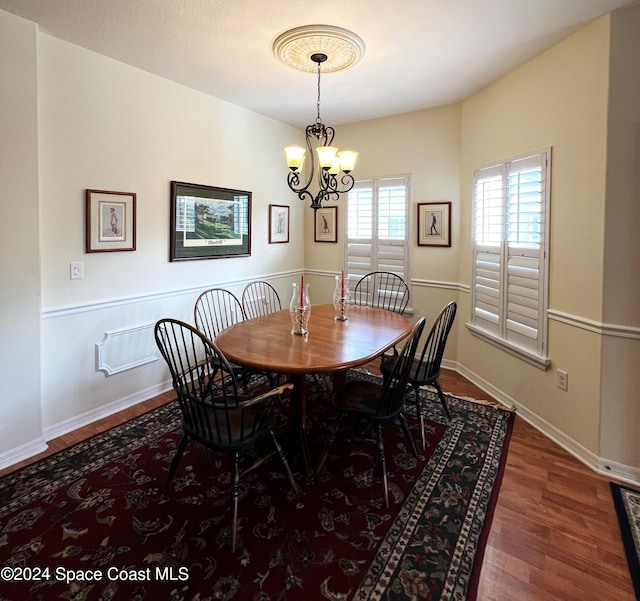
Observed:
{"x":554,"y":536}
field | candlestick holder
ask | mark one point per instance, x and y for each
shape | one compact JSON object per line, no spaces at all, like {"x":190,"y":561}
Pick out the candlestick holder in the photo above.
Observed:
{"x":341,"y":298}
{"x":300,"y":310}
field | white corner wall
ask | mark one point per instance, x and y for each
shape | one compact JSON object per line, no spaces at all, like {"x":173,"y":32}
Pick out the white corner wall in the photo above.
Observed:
{"x":621,"y":291}
{"x":105,"y":125}
{"x":81,"y":120}
{"x":20,"y":415}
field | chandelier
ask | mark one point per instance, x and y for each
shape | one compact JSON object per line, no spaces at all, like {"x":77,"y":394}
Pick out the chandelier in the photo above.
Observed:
{"x":302,"y":48}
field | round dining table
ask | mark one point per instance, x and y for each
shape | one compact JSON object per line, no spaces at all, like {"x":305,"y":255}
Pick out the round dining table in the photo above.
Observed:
{"x":266,"y":344}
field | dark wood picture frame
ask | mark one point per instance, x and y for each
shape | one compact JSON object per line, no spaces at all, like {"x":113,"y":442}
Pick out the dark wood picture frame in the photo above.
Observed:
{"x":279,"y":224}
{"x":434,"y":224}
{"x":208,"y":222}
{"x":325,"y":225}
{"x":110,"y":221}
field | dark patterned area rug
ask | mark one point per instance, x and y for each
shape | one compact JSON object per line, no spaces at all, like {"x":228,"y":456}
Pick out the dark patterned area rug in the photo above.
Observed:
{"x":627,"y":504}
{"x":92,"y":522}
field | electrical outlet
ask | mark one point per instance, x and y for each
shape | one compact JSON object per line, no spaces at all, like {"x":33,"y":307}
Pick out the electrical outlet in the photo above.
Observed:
{"x":563,"y":380}
{"x":76,"y":271}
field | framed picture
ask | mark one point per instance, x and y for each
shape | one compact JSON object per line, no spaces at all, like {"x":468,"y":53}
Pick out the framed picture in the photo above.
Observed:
{"x":434,"y":224}
{"x":325,"y":226}
{"x":110,"y":221}
{"x":209,"y":222}
{"x":278,"y":224}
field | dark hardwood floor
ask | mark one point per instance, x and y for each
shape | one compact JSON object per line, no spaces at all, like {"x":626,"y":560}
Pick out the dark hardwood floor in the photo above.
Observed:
{"x":554,"y":535}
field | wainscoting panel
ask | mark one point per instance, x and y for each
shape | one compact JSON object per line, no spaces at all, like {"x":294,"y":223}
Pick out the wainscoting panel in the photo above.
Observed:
{"x":124,"y":349}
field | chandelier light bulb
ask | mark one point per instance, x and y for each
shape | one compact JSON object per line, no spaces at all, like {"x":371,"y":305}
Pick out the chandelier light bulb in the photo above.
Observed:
{"x":295,"y":157}
{"x":335,"y":168}
{"x":326,"y":156}
{"x":347,"y":160}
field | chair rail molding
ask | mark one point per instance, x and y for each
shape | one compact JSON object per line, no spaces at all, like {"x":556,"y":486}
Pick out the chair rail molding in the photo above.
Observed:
{"x":438,"y":284}
{"x":99,"y":305}
{"x":604,"y":329}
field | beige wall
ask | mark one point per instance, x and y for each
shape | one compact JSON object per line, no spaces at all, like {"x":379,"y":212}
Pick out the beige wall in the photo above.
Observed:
{"x":559,"y":99}
{"x":425,"y":144}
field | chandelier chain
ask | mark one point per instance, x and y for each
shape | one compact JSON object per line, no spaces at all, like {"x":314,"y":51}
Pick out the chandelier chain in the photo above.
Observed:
{"x":318,"y":120}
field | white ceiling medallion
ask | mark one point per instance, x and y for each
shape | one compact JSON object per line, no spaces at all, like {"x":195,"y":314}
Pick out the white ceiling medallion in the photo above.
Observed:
{"x":342,"y":47}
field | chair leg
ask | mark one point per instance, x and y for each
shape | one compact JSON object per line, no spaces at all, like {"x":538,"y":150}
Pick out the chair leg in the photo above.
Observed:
{"x":443,"y":399}
{"x":328,"y":443}
{"x":383,"y":464}
{"x":407,"y":433}
{"x":283,"y":458}
{"x":235,"y":494}
{"x":420,"y":413}
{"x":175,"y":461}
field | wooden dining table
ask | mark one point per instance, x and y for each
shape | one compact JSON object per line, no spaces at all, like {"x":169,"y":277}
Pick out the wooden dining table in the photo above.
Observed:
{"x":266,"y":344}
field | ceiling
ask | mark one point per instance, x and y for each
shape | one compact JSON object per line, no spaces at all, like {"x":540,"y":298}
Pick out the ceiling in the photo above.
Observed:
{"x":419,"y":53}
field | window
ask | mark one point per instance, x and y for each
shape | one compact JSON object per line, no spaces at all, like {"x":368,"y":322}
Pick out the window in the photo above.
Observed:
{"x":510,"y":255}
{"x":376,"y":227}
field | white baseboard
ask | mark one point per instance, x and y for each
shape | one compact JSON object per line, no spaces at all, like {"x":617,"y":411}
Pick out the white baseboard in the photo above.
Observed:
{"x":24,"y":451}
{"x":89,"y":417}
{"x":610,"y":469}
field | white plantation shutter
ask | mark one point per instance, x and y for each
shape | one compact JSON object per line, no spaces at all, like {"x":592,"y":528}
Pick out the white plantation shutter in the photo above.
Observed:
{"x":488,"y":233}
{"x":360,"y":229}
{"x":487,"y":306}
{"x":510,"y":260}
{"x":376,"y":228}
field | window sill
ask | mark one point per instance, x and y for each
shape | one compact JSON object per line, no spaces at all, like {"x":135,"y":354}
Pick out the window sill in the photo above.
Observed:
{"x":517,"y":351}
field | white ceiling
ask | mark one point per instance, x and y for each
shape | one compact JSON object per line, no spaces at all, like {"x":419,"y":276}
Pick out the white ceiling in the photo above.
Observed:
{"x":419,"y":53}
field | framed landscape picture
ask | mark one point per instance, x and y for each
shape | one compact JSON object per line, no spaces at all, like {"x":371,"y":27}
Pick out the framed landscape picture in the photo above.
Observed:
{"x":110,"y":221}
{"x":209,"y":222}
{"x":434,"y":224}
{"x":278,"y":224}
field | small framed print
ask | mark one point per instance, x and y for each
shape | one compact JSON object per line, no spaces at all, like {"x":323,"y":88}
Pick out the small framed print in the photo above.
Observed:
{"x":278,"y":224}
{"x":110,"y":221}
{"x":325,"y":226}
{"x":434,"y":224}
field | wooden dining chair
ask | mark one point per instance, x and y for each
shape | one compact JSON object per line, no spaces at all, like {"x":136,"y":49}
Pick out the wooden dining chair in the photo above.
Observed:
{"x":382,"y":289}
{"x":213,"y":413}
{"x":260,"y":298}
{"x":215,"y":310}
{"x":425,"y":367}
{"x":379,"y":404}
